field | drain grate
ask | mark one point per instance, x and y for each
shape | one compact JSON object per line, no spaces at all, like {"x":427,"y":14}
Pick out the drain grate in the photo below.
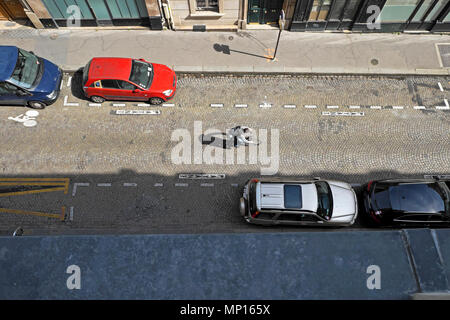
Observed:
{"x":443,"y":50}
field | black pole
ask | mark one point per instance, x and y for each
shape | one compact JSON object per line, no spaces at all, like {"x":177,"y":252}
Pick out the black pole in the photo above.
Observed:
{"x":276,"y":47}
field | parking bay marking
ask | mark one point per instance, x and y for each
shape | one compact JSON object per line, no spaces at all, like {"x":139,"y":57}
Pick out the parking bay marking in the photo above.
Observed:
{"x":138,"y":112}
{"x":345,"y":113}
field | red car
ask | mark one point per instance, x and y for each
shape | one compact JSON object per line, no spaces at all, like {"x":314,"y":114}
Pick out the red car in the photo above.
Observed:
{"x":128,"y":79}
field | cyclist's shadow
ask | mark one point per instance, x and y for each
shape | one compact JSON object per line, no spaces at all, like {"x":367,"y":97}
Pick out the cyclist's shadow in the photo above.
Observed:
{"x":216,"y":139}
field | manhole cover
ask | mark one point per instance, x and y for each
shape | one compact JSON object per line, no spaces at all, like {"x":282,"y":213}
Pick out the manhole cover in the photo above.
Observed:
{"x":230,"y":38}
{"x":374,"y":62}
{"x":444,"y":54}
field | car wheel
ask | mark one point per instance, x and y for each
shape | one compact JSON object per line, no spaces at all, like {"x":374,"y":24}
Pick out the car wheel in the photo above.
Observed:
{"x":156,"y":100}
{"x":36,"y":105}
{"x":97,"y":99}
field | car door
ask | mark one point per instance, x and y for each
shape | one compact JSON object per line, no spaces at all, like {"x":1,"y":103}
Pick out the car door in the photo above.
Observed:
{"x":110,"y":90}
{"x":131,"y":92}
{"x":12,"y":95}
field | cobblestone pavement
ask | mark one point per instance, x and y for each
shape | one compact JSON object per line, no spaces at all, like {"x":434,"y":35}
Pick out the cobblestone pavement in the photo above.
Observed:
{"x":122,"y":178}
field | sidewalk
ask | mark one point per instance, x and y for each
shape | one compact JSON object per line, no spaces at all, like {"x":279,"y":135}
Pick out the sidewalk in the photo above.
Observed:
{"x":341,"y":53}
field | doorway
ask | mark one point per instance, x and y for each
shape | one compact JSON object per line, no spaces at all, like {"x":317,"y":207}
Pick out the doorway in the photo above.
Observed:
{"x":264,"y":11}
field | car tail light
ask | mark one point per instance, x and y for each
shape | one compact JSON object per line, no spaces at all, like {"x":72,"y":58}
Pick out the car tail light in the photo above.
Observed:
{"x":255,"y":214}
{"x":254,"y":180}
{"x":369,"y":185}
{"x":375,"y":215}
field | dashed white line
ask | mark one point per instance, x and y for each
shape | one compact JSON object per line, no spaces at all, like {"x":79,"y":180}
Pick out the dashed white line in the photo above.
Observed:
{"x":207,"y":185}
{"x":419,"y":107}
{"x":265,"y":105}
{"x":235,"y":185}
{"x":375,"y":107}
{"x":103,"y":184}
{"x":60,"y":87}
{"x":130,"y":184}
{"x":310,"y":106}
{"x":95,"y":104}
{"x":181,"y":184}
{"x":158,"y":185}
{"x":440,"y":87}
{"x":397,"y":107}
{"x":290,"y":106}
{"x":168,"y":104}
{"x":332,"y":107}
{"x":240,"y":106}
{"x":78,"y":184}
{"x":144,"y":105}
{"x":119,"y":104}
{"x":71,"y":214}
{"x":354,"y":107}
{"x":69,"y":81}
{"x":69,"y":104}
{"x":216,"y":105}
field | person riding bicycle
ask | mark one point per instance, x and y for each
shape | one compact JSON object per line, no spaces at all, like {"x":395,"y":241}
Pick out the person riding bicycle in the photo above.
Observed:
{"x":241,"y":135}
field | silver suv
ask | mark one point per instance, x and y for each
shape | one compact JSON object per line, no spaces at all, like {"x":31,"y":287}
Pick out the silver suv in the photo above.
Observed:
{"x":299,"y":202}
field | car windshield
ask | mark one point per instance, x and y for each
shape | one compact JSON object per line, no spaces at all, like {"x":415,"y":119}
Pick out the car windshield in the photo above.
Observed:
{"x":141,"y":73}
{"x":325,"y":205}
{"x":420,"y":197}
{"x":26,"y":70}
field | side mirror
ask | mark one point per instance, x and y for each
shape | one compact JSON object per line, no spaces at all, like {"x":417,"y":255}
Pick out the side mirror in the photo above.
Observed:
{"x":23,"y":93}
{"x":141,"y":59}
{"x":136,"y":90}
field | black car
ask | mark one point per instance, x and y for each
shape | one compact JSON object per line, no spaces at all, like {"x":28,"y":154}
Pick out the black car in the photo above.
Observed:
{"x":411,"y":203}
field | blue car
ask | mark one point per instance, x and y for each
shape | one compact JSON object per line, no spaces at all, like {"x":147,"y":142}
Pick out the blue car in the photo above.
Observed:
{"x":26,"y":79}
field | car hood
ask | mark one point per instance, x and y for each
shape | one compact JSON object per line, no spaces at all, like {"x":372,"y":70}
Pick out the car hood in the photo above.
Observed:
{"x":344,"y":203}
{"x":163,"y":78}
{"x":50,"y":78}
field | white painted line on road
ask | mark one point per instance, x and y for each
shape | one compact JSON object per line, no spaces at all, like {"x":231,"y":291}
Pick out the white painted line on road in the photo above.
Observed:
{"x":138,"y":112}
{"x":119,"y":104}
{"x":103,"y":184}
{"x":201,"y":176}
{"x":69,"y":104}
{"x":158,"y":185}
{"x":375,"y":107}
{"x":207,"y":185}
{"x":78,"y":184}
{"x":181,"y":184}
{"x":354,"y":107}
{"x":419,"y":107}
{"x":290,"y":106}
{"x":442,"y":107}
{"x":446,"y":102}
{"x":240,"y":106}
{"x":71,"y":214}
{"x":60,"y":87}
{"x":69,"y":82}
{"x":235,"y":185}
{"x":345,"y":113}
{"x":398,"y":107}
{"x":332,"y":107}
{"x":265,"y":105}
{"x":95,"y":104}
{"x":310,"y":106}
{"x":144,"y":105}
{"x":130,"y":184}
{"x":168,"y":104}
{"x":216,"y":105}
{"x":440,"y":87}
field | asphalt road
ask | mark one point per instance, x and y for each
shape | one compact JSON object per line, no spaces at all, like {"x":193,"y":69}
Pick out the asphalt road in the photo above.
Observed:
{"x":119,"y":173}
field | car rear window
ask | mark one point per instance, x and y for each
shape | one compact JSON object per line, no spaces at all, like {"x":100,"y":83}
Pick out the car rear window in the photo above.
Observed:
{"x":86,"y":72}
{"x":427,"y":198}
{"x":292,"y":197}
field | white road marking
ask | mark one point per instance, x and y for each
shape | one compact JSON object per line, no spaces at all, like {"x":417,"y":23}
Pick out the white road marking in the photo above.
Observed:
{"x":310,"y":106}
{"x":119,"y":104}
{"x":290,"y":106}
{"x":143,"y":105}
{"x":103,"y":184}
{"x":138,"y":112}
{"x":181,"y":184}
{"x":446,"y":102}
{"x":201,"y":176}
{"x":397,"y":107}
{"x":168,"y":104}
{"x":69,"y":81}
{"x":216,"y":105}
{"x":375,"y":107}
{"x":265,"y":105}
{"x":207,"y":185}
{"x":442,"y":107}
{"x":158,"y":185}
{"x":235,"y":185}
{"x":130,"y":184}
{"x":95,"y":104}
{"x":78,"y":184}
{"x":440,"y":87}
{"x":240,"y":106}
{"x":69,"y":104}
{"x":332,"y":107}
{"x":345,"y":113}
{"x":60,"y":87}
{"x":354,"y":107}
{"x":71,"y":214}
{"x":419,"y":107}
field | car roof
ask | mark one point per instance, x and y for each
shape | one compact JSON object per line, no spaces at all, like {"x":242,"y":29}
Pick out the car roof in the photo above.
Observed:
{"x":273,"y":196}
{"x":8,"y":60}
{"x":110,"y":68}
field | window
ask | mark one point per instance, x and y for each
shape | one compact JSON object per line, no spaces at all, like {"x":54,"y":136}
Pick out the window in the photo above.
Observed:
{"x":7,"y":89}
{"x":26,"y":71}
{"x":207,"y":5}
{"x":125,"y":85}
{"x":110,"y":84}
{"x":325,"y":205}
{"x":292,"y":197}
{"x":141,"y":73}
{"x":397,"y":10}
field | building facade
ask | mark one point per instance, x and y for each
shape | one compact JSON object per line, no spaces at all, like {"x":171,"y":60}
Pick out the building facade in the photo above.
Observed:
{"x":208,"y":15}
